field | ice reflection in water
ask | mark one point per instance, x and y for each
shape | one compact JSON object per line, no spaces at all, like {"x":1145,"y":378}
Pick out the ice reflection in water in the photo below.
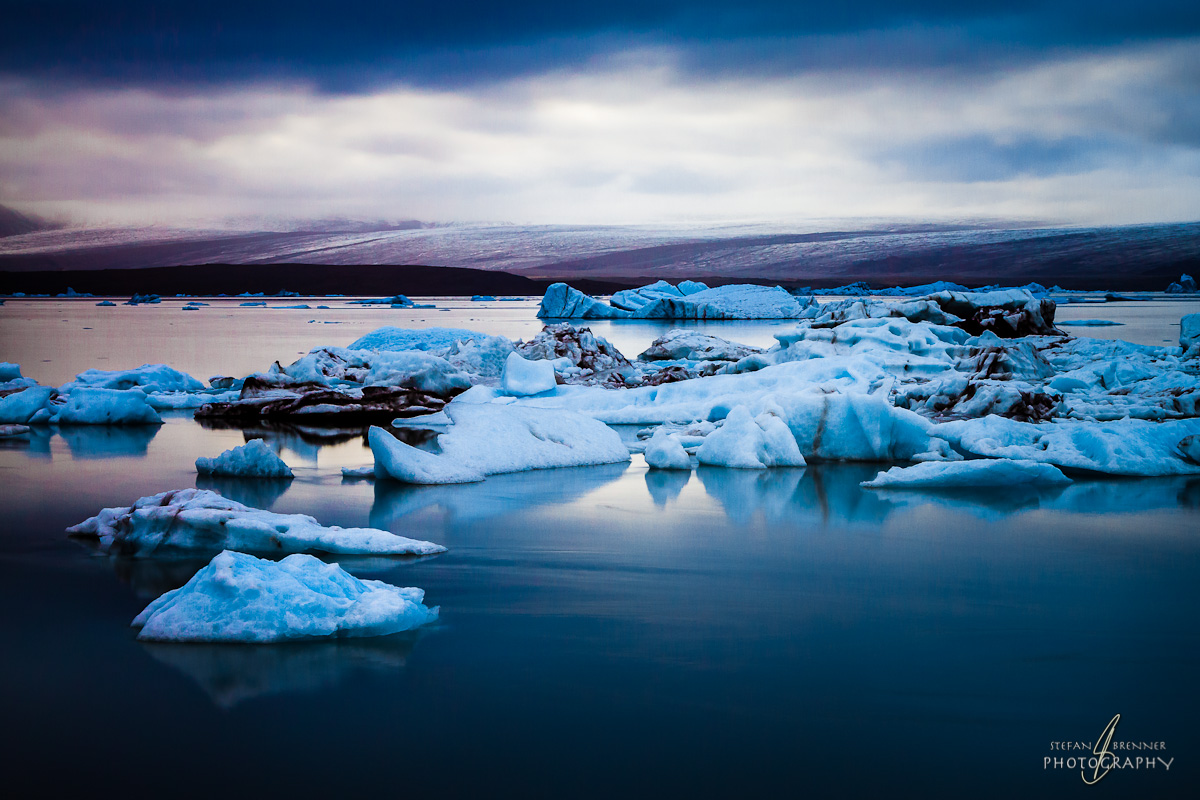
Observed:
{"x":233,"y":673}
{"x":499,"y":495}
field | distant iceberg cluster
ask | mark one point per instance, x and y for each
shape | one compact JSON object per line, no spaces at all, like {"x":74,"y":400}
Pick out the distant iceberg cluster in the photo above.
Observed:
{"x":947,"y":389}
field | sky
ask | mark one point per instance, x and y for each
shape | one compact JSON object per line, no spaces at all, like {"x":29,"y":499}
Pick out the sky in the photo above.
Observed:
{"x":253,"y":114}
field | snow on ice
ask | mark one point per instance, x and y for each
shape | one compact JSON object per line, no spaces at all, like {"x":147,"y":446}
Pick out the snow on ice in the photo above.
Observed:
{"x":240,"y":598}
{"x":254,"y":459}
{"x":189,"y":520}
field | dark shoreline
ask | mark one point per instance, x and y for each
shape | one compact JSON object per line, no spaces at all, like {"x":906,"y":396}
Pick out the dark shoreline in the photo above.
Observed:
{"x":303,"y":279}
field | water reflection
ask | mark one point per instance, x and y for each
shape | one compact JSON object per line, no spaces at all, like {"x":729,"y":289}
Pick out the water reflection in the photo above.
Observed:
{"x":304,"y":441}
{"x":665,"y":485}
{"x":233,"y":673}
{"x":830,"y":493}
{"x":108,"y":441}
{"x":253,"y":492}
{"x":499,"y":494}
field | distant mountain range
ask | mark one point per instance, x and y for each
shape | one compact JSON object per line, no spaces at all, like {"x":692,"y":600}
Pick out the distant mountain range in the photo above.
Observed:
{"x":1145,"y":257}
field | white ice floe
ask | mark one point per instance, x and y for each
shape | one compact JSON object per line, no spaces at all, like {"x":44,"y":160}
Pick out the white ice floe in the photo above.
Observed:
{"x":254,"y":459}
{"x":682,"y":344}
{"x":1189,"y":335}
{"x":188,"y":520}
{"x":19,"y":407}
{"x":359,"y":473}
{"x":104,"y":407}
{"x":523,"y":377}
{"x":663,"y":301}
{"x":1189,"y":447}
{"x":348,"y":367}
{"x":1086,"y":323}
{"x":391,"y":338}
{"x":148,"y":378}
{"x":746,"y":442}
{"x":240,"y":598}
{"x":665,"y":451}
{"x":976,"y":472}
{"x":486,"y":439}
{"x":1118,"y":447}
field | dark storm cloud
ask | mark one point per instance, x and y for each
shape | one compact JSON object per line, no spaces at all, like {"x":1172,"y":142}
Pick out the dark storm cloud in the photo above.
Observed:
{"x":358,"y":46}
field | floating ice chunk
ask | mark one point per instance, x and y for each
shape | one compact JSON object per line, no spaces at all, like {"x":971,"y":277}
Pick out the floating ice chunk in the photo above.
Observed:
{"x":1118,"y":447}
{"x":391,"y":338}
{"x":1189,"y":335}
{"x":9,"y":431}
{"x":1189,"y":446}
{"x":106,"y":303}
{"x":9,"y":371}
{"x":187,"y":520}
{"x":978,"y":472}
{"x":407,"y":464}
{"x":482,"y":298}
{"x":580,"y":356}
{"x":665,"y":451}
{"x":105,"y":407}
{"x":663,"y":301}
{"x":565,"y":302}
{"x":20,"y":407}
{"x":488,"y":438}
{"x":634,"y":299}
{"x":855,"y":427}
{"x":737,"y":301}
{"x":1086,"y":323}
{"x":240,"y":598}
{"x":359,"y":473}
{"x":254,"y":459}
{"x":253,"y":304}
{"x":523,"y":377}
{"x":148,"y":378}
{"x":690,"y":345}
{"x":747,"y":442}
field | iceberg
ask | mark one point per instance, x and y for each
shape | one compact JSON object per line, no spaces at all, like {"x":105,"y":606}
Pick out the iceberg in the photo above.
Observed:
{"x":148,"y":377}
{"x":254,"y":459}
{"x":392,"y":338}
{"x":240,"y":598}
{"x":105,"y":407}
{"x":746,"y":442}
{"x":1118,"y":447}
{"x":1189,"y":335}
{"x":661,"y":300}
{"x":580,"y":356}
{"x":19,"y":407}
{"x":10,"y":431}
{"x":487,"y":439}
{"x":188,"y":520}
{"x":523,"y":377}
{"x":682,"y":344}
{"x":665,"y":451}
{"x":976,"y":472}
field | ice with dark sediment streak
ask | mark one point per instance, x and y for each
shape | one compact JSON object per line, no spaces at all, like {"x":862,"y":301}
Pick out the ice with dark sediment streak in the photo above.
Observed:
{"x":240,"y":598}
{"x":190,"y":520}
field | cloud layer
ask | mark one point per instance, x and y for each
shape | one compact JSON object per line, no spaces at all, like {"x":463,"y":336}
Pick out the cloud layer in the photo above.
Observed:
{"x":645,"y":113}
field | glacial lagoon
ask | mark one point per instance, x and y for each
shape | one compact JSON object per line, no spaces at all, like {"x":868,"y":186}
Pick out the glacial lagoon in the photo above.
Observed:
{"x":604,"y":630}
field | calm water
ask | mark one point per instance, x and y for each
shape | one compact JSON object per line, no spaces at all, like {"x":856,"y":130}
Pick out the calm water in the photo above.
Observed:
{"x":604,"y":631}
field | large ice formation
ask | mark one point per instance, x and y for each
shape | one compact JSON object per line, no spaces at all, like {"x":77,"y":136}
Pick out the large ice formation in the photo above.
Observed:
{"x":190,"y":520}
{"x":240,"y":598}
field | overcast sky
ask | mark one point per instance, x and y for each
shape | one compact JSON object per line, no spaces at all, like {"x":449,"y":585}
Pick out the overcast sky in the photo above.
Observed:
{"x":623,"y":112}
